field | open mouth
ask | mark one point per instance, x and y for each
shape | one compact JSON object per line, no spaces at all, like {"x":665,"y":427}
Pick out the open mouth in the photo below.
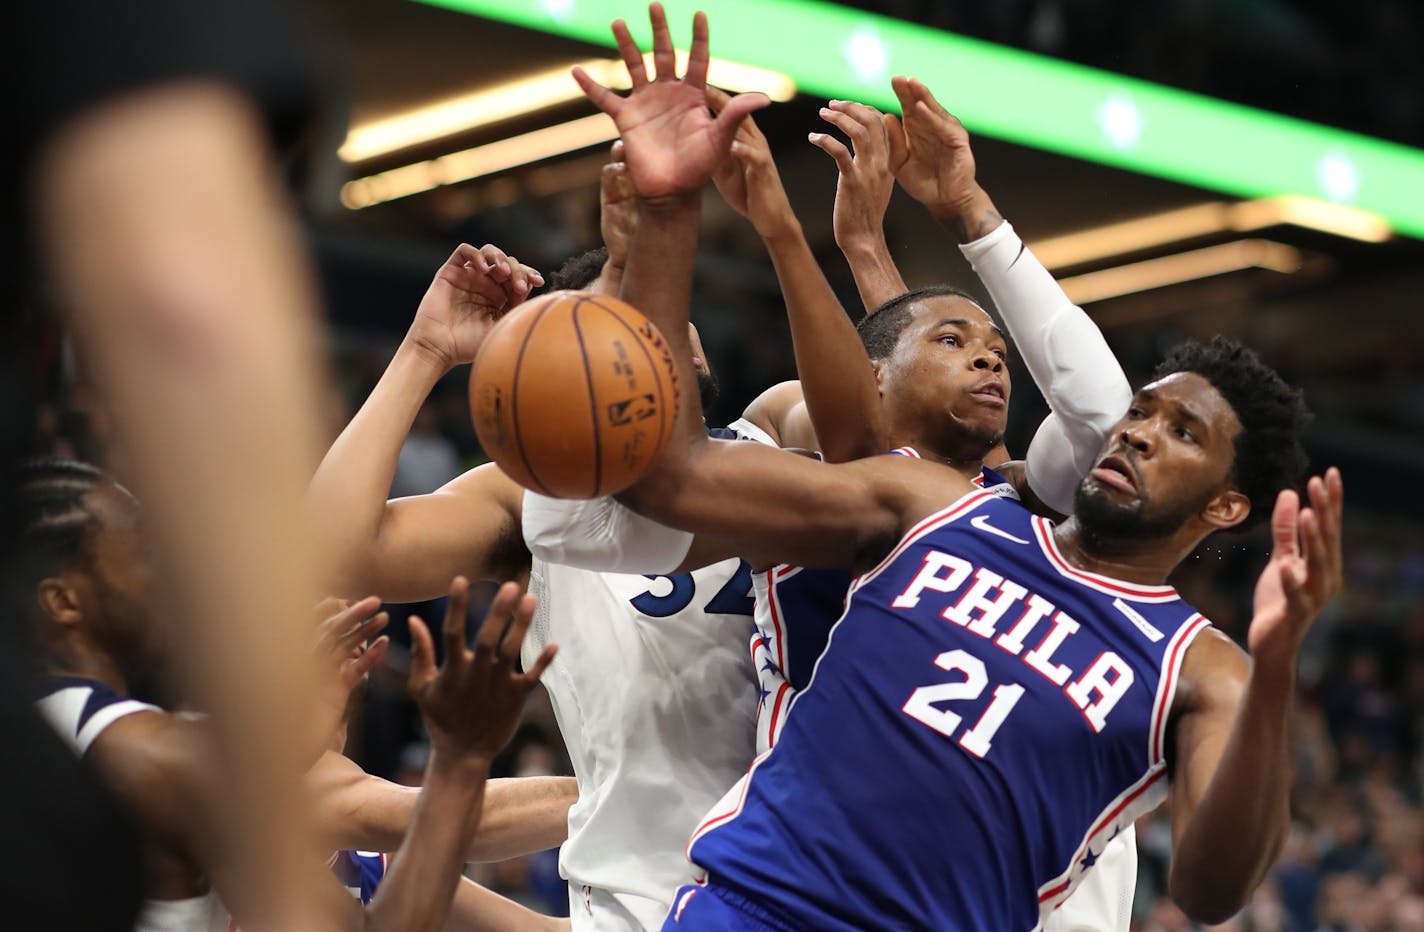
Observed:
{"x":990,"y":392}
{"x":1117,"y":472}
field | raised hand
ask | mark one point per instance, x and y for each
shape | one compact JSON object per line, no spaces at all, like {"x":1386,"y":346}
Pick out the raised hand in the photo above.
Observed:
{"x":934,"y":163}
{"x":867,"y":175}
{"x":618,"y":208}
{"x":343,"y":657}
{"x":1305,"y":571}
{"x":672,"y":144}
{"x":471,"y":291}
{"x":747,"y":178}
{"x":471,"y":705}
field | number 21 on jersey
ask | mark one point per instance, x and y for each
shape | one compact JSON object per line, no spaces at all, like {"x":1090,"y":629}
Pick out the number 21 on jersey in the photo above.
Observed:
{"x":979,"y":738}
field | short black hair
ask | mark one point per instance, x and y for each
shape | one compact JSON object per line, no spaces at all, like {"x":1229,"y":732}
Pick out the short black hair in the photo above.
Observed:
{"x":1270,"y":454}
{"x":580,"y":271}
{"x":54,"y":521}
{"x":880,"y":329}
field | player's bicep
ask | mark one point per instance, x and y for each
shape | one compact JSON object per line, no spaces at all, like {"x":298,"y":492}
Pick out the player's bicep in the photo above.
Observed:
{"x":1213,"y":683}
{"x":470,"y":526}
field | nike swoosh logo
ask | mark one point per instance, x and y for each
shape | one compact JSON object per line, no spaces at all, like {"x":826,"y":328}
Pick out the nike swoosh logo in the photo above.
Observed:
{"x":982,"y":523}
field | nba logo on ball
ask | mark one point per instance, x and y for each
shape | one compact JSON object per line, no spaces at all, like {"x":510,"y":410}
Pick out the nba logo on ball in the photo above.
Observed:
{"x":574,"y":394}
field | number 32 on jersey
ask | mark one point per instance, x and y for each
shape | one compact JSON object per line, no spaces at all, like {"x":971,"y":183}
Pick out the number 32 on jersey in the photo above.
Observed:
{"x":733,"y":598}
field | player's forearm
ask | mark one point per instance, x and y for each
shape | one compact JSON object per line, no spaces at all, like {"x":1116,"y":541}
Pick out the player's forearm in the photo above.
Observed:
{"x":837,"y":381}
{"x":658,"y":281}
{"x":767,"y":505}
{"x":1065,"y":353}
{"x":523,"y":815}
{"x":876,"y":276}
{"x":348,"y":493}
{"x":1237,"y":829}
{"x":417,"y":892}
{"x":476,"y":909}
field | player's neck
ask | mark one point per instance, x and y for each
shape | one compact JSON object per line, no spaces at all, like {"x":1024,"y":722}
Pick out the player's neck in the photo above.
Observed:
{"x":967,"y":466}
{"x":83,"y":661}
{"x":1146,"y":562}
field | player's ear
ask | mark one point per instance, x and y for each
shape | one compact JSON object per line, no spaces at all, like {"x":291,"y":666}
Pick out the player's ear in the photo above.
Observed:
{"x":879,"y":369}
{"x":1228,"y":509}
{"x":58,"y":600}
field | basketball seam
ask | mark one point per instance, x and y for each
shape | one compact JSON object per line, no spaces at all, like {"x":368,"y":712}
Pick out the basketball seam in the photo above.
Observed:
{"x":592,"y":400}
{"x":657,"y":374}
{"x":514,"y":400}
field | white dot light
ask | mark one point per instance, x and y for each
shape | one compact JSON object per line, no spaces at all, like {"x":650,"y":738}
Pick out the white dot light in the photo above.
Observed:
{"x":1338,"y":176}
{"x":866,"y":54}
{"x":558,"y":9}
{"x":1120,"y":121}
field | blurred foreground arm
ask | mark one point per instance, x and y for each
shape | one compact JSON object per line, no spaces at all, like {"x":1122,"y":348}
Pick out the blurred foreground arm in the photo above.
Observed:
{"x":172,"y":246}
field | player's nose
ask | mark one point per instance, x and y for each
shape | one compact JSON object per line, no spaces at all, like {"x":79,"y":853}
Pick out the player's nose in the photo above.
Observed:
{"x":989,"y":360}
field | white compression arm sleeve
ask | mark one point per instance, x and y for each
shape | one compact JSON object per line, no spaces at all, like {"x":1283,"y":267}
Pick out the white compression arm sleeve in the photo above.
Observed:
{"x":1067,"y":356}
{"x":600,"y":534}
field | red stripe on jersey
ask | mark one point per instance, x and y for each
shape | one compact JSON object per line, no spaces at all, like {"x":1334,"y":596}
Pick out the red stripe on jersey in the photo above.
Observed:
{"x":1043,"y":530}
{"x":970,"y":501}
{"x":774,"y":604}
{"x":781,"y":693}
{"x":1101,"y":824}
{"x":1171,"y":668}
{"x":713,"y":821}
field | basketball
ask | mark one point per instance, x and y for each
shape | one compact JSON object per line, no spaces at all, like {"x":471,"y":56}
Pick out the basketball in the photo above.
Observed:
{"x":574,"y":394}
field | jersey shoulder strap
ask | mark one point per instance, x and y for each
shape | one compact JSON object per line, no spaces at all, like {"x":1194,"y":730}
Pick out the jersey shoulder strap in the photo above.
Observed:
{"x":80,"y":709}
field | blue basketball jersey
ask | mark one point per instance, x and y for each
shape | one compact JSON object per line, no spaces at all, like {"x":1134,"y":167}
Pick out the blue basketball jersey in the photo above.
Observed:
{"x":795,"y":609}
{"x":360,"y":872}
{"x":984,"y":719}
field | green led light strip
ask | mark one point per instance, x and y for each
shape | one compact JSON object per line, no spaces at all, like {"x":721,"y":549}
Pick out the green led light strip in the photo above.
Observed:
{"x":1029,"y":99}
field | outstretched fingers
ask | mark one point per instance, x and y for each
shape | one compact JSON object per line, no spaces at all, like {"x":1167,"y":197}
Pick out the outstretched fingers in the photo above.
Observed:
{"x":725,"y":126}
{"x":357,"y":667}
{"x":630,"y":53}
{"x":518,"y":627}
{"x":664,"y":56}
{"x":602,"y":97}
{"x":697,"y":56}
{"x":1285,"y":525}
{"x":505,"y":603}
{"x":422,"y":656}
{"x":456,"y":610}
{"x":835,"y":149}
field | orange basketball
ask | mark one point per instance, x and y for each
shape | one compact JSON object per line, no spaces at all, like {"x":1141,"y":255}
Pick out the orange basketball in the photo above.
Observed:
{"x":574,"y":394}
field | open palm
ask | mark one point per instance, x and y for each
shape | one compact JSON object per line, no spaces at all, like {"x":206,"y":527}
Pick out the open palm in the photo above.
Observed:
{"x":1305,"y":570}
{"x":671,"y":142}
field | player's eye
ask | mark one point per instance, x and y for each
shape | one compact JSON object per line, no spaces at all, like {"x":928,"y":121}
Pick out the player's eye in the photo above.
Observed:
{"x":950,"y":338}
{"x":1001,"y":354}
{"x":1186,"y":435}
{"x":1135,"y":413}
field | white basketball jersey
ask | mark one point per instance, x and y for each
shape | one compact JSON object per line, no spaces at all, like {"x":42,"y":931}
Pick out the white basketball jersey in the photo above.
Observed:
{"x":657,"y":707}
